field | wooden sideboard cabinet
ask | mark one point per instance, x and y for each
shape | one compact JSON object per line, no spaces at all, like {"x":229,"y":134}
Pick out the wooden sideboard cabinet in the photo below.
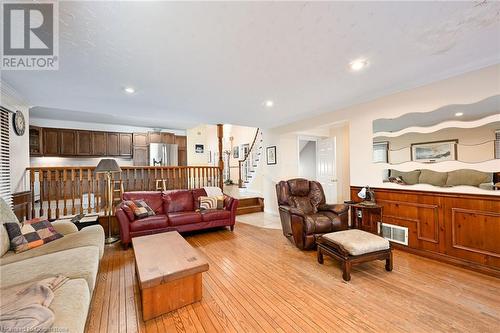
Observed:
{"x":458,"y":228}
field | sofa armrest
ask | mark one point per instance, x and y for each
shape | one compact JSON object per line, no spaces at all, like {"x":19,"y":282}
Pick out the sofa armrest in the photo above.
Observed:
{"x":124,"y":222}
{"x":337,"y":208}
{"x":64,"y":227}
{"x":231,"y":204}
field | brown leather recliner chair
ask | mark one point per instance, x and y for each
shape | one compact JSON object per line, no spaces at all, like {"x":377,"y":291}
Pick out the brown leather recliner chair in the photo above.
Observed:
{"x":304,"y":213}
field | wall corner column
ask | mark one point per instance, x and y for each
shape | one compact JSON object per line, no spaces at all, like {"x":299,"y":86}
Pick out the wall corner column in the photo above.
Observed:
{"x":220,"y":135}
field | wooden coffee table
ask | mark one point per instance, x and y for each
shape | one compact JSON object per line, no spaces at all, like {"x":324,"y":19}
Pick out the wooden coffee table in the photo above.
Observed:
{"x":169,"y":272}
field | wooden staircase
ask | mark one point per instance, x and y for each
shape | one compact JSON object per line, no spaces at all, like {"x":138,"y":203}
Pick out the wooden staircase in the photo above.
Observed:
{"x":250,"y":205}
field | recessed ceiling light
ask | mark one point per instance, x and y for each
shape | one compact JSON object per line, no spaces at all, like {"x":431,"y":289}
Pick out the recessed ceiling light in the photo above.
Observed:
{"x":459,"y":114}
{"x":358,"y":64}
{"x":129,"y":90}
{"x":269,"y":104}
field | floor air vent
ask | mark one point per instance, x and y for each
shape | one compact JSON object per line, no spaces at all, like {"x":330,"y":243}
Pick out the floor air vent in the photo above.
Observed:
{"x":394,"y":233}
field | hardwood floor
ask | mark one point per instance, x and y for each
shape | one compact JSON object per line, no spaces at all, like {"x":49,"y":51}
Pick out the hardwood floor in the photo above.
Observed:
{"x":259,"y":282}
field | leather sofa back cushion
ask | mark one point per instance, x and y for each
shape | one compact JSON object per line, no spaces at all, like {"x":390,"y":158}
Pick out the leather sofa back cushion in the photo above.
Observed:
{"x":304,"y":204}
{"x":468,"y":177}
{"x":433,"y":177}
{"x":179,"y":201}
{"x":299,"y":187}
{"x":197,"y":193}
{"x":152,"y":198}
{"x":316,"y":194}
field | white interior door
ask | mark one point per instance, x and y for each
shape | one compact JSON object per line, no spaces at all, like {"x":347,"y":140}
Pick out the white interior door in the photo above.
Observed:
{"x":326,"y":168}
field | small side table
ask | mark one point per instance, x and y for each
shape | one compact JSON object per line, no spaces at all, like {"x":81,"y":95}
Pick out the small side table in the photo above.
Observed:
{"x":81,"y":221}
{"x":366,"y":217}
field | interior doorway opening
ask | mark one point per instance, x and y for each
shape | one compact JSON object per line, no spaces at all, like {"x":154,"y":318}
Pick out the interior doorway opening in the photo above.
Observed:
{"x":307,"y":159}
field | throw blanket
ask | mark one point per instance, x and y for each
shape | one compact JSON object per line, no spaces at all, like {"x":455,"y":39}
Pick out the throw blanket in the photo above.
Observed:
{"x":25,"y":307}
{"x":212,"y":191}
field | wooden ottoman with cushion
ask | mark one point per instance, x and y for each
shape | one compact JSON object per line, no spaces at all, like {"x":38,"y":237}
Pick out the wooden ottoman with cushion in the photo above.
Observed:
{"x":354,"y":246}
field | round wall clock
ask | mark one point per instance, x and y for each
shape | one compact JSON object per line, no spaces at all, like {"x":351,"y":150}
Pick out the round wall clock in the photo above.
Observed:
{"x":19,"y":123}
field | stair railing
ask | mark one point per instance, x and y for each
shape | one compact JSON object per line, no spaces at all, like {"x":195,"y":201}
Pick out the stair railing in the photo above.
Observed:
{"x":245,"y":160}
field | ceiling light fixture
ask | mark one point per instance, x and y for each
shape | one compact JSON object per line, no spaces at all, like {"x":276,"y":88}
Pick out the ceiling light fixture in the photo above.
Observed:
{"x":129,"y":90}
{"x":358,"y":64}
{"x":269,"y":104}
{"x":459,"y":114}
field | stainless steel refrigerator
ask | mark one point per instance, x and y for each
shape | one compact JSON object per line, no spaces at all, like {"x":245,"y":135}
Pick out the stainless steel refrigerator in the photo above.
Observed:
{"x":163,"y":154}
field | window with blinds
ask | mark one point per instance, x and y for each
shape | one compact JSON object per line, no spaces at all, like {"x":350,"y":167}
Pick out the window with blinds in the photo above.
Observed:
{"x":5,"y":156}
{"x":381,"y":152}
{"x":497,"y":144}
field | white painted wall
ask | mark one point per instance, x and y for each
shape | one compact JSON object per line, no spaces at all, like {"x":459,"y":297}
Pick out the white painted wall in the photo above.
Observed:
{"x":205,"y":135}
{"x":19,"y":145}
{"x":464,"y":89}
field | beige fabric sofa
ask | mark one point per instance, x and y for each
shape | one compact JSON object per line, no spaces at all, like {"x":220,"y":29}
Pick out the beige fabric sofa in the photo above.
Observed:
{"x":76,"y":255}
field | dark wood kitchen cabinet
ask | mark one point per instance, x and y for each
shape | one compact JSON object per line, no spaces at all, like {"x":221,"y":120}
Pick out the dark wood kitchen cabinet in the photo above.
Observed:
{"x":50,"y":141}
{"x":113,"y":144}
{"x":35,"y":138}
{"x":154,"y":137}
{"x":168,"y":138}
{"x":125,"y":144}
{"x":140,"y":139}
{"x":141,"y":155}
{"x":67,"y":142}
{"x":83,"y":143}
{"x":99,"y":143}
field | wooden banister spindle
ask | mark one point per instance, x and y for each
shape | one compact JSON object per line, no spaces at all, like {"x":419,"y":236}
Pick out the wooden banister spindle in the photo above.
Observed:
{"x":32,"y":190}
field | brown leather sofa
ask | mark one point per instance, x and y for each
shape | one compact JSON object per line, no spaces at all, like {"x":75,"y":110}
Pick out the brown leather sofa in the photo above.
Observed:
{"x":304,"y":213}
{"x":174,"y":210}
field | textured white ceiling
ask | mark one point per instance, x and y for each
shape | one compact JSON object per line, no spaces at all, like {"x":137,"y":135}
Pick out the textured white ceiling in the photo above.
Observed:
{"x":211,"y":62}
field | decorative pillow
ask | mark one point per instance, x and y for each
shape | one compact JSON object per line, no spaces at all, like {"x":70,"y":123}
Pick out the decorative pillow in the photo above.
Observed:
{"x":304,"y":204}
{"x":140,"y":208}
{"x":216,"y":202}
{"x":30,"y":234}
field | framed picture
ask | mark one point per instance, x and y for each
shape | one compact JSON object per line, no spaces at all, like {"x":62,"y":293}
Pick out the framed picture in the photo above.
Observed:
{"x":271,"y":155}
{"x":437,"y":151}
{"x":199,"y":148}
{"x":236,"y":152}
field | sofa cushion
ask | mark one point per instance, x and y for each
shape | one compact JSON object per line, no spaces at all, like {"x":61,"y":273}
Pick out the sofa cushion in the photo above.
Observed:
{"x":318,"y":223}
{"x":88,"y":236}
{"x":357,"y":242}
{"x":178,"y":201}
{"x":31,"y":234}
{"x":468,"y":177}
{"x":149,"y":223}
{"x":409,"y":178}
{"x":70,"y":306}
{"x":180,"y":218}
{"x":197,"y":193}
{"x":82,"y":262}
{"x":432,"y":177}
{"x":299,"y":187}
{"x":152,"y":198}
{"x":213,"y":215}
{"x":304,"y":204}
